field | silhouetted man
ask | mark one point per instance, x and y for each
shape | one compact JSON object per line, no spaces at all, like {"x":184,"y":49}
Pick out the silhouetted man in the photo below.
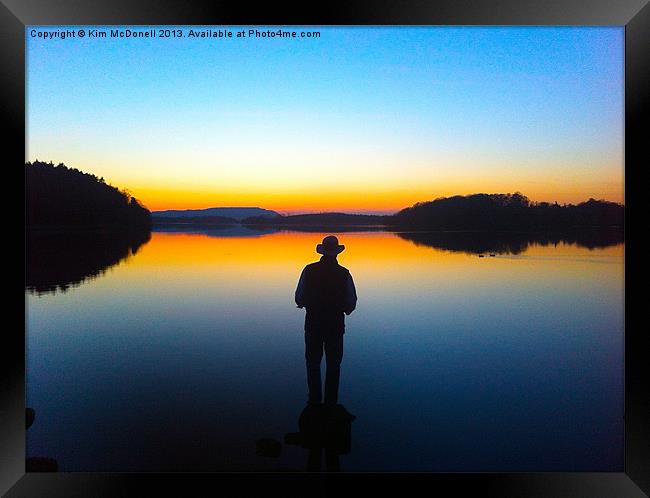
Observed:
{"x":327,"y":291}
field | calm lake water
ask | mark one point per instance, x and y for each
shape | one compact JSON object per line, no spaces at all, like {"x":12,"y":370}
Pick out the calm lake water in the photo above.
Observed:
{"x":182,"y":355}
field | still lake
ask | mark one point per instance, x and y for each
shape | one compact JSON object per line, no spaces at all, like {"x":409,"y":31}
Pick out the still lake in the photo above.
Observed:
{"x":184,"y":354}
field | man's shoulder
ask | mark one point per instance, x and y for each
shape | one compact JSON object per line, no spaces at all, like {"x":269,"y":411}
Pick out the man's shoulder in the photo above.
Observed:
{"x":311,"y":266}
{"x":318,"y":264}
{"x":343,"y":269}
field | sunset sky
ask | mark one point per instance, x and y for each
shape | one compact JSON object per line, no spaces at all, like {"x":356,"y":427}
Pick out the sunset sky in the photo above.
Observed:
{"x":360,"y":119}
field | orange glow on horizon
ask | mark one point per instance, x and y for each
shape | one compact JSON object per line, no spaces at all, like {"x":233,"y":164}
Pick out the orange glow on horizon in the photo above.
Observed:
{"x":270,"y":264}
{"x":186,"y":249}
{"x":385,"y":200}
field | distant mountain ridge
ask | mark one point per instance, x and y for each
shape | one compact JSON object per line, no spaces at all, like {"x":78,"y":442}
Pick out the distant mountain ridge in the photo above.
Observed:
{"x":236,"y":213}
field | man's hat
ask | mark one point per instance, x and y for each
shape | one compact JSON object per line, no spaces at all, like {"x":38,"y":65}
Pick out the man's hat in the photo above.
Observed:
{"x":330,"y":246}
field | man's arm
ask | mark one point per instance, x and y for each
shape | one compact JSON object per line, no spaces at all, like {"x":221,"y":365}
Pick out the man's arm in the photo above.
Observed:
{"x":300,"y":291}
{"x":350,"y":296}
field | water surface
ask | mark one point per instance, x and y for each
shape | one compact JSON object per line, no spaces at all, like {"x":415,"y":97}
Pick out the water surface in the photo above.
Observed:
{"x":189,"y":349}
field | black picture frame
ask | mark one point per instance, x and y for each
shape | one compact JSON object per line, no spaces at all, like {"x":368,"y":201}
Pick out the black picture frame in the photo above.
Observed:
{"x":633,"y":14}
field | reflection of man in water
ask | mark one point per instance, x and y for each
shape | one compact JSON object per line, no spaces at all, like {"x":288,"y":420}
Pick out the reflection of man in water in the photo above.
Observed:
{"x":327,"y":291}
{"x":323,"y":430}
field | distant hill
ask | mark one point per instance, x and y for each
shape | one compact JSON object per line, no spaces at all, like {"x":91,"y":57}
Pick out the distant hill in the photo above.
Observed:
{"x":194,"y":220}
{"x":236,"y":213}
{"x":318,"y":220}
{"x":58,"y":196}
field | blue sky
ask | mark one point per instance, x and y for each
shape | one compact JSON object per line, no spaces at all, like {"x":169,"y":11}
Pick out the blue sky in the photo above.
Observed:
{"x":379,"y":115}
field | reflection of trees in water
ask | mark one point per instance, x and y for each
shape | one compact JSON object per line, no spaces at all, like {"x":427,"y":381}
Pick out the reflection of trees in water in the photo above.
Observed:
{"x":58,"y":260}
{"x":511,"y":242}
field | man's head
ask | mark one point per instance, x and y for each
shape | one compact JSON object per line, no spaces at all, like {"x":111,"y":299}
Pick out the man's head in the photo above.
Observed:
{"x":330,"y":246}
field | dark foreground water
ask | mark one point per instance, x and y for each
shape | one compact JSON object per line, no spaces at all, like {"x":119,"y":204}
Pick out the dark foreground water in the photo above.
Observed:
{"x":184,"y":354}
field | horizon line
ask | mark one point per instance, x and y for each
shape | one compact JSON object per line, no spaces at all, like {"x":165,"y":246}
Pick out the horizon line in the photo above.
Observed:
{"x":372,"y":212}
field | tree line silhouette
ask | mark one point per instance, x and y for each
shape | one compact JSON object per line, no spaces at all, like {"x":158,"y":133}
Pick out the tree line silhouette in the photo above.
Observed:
{"x":62,"y":196}
{"x":318,"y":219}
{"x":473,"y":212}
{"x":66,"y":197}
{"x":194,"y":220}
{"x":508,"y":212}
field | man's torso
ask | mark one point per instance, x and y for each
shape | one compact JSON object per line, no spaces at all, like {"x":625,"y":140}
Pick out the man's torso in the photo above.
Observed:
{"x":325,"y":288}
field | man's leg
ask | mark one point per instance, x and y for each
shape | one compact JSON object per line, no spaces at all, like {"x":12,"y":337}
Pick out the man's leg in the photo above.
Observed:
{"x":313,"y":357}
{"x":333,"y":357}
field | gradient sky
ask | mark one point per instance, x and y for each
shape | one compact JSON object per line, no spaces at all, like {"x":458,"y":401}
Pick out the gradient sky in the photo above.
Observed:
{"x":360,"y":119}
